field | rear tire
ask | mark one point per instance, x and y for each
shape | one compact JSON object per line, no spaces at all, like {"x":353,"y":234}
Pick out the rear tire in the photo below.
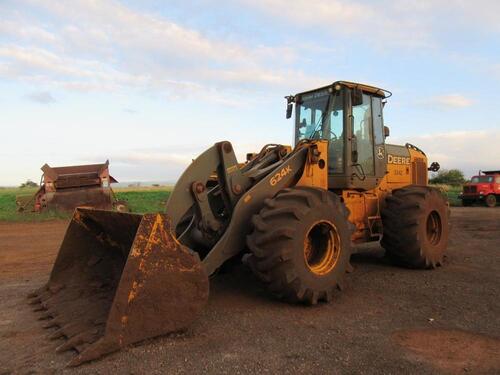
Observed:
{"x":301,"y":244}
{"x":415,"y":226}
{"x":491,"y":200}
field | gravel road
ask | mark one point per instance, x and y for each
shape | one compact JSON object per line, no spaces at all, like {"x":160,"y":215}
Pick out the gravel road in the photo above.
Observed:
{"x":387,"y":320}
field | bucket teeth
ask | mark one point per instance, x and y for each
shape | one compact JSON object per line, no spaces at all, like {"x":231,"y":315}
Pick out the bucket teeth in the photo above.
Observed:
{"x":40,"y":308}
{"x":52,"y":323}
{"x":32,"y":295}
{"x":57,"y":334}
{"x":38,"y":292}
{"x":74,"y":342}
{"x":35,"y":300}
{"x":55,"y":288}
{"x":46,"y":315}
{"x":68,"y":345}
{"x":80,"y":348}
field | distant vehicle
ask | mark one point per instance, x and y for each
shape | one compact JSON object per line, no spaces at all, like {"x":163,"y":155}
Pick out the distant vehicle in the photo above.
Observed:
{"x":484,"y":188}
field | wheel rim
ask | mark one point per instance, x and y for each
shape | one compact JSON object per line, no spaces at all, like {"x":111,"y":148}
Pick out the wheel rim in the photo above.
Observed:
{"x":322,"y":247}
{"x":434,"y":228}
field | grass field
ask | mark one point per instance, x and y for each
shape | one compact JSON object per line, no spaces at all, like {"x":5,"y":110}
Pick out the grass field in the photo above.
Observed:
{"x":8,"y":207}
{"x":139,"y":199}
{"x":144,"y":199}
{"x":452,"y":193}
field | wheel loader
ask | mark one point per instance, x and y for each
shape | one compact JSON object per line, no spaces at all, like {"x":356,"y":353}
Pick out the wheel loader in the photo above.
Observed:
{"x":293,"y":215}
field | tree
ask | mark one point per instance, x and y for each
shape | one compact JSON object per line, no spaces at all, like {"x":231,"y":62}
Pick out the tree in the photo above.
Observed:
{"x":28,"y":183}
{"x":448,"y":177}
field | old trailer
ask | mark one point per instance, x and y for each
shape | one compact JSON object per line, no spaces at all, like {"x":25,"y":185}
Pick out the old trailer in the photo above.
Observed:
{"x":68,"y":187}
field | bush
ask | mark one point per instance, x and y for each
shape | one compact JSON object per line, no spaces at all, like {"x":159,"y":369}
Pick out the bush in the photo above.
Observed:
{"x":448,"y":177}
{"x":443,"y":187}
{"x":29,"y":184}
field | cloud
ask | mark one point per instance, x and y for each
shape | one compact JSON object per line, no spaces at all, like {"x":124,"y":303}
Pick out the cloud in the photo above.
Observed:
{"x":26,"y":32}
{"x":107,"y":46}
{"x":448,"y":101}
{"x":41,"y":97}
{"x":454,"y":101}
{"x":468,"y":151}
{"x":381,"y":23}
{"x":413,"y":24}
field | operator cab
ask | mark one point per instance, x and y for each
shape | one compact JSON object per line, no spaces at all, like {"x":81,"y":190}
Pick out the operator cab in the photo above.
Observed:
{"x":349,"y":116}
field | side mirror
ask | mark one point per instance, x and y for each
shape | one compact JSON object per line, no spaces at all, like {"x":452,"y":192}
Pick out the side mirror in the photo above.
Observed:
{"x":434,"y":167}
{"x":356,"y":97}
{"x":289,"y":109}
{"x":289,"y":105}
{"x":387,"y":132}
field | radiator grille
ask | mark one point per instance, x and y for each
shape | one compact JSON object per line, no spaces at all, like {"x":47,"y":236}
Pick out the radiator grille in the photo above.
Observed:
{"x":419,"y":172}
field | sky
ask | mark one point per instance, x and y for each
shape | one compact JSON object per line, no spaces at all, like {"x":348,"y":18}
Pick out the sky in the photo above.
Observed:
{"x":149,"y":85}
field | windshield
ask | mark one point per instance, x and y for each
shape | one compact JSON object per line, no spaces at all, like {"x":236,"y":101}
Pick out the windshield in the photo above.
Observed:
{"x":477,"y":179}
{"x":312,"y":114}
{"x":320,"y":115}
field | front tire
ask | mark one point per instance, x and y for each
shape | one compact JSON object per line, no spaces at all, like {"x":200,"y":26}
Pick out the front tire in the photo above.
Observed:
{"x":416,"y":226}
{"x":301,"y":244}
{"x":491,"y":200}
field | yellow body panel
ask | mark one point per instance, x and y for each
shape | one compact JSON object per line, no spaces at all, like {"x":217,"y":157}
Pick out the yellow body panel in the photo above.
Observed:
{"x":418,"y":167}
{"x":398,"y":169}
{"x":365,"y":206}
{"x":316,"y":169}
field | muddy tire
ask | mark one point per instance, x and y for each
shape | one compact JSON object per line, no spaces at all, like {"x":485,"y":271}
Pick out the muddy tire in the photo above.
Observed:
{"x":301,"y":244}
{"x":491,"y":200}
{"x":416,"y":226}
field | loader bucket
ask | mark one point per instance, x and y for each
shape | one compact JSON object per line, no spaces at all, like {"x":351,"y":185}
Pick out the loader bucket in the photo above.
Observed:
{"x":119,"y":278}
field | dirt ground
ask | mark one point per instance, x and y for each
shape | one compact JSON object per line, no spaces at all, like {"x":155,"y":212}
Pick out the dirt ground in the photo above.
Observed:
{"x":386,"y":320}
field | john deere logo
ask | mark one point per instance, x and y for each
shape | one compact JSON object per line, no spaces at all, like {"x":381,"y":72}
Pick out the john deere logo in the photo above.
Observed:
{"x":380,"y":152}
{"x":393,"y":159}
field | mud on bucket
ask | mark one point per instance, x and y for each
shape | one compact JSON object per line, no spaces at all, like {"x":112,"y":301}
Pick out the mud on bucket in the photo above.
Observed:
{"x":119,"y":278}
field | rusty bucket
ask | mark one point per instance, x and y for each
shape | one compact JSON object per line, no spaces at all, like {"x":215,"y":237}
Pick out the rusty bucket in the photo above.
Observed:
{"x":119,"y":278}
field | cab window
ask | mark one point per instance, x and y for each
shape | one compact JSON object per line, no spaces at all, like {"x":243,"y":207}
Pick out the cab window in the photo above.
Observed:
{"x":378,"y":124}
{"x":363,"y":130}
{"x":336,"y":137}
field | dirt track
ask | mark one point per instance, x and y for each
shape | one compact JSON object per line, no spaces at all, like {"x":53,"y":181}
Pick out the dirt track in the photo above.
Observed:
{"x":387,"y":320}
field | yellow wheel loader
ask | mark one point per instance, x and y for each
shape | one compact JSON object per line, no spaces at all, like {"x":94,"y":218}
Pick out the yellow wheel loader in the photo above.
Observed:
{"x":291,"y":214}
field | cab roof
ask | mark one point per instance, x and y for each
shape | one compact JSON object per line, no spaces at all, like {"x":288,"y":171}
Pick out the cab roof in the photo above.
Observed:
{"x":352,"y":85}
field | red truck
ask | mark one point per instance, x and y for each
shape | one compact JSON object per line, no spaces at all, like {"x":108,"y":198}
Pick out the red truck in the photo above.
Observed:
{"x":482,"y":188}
